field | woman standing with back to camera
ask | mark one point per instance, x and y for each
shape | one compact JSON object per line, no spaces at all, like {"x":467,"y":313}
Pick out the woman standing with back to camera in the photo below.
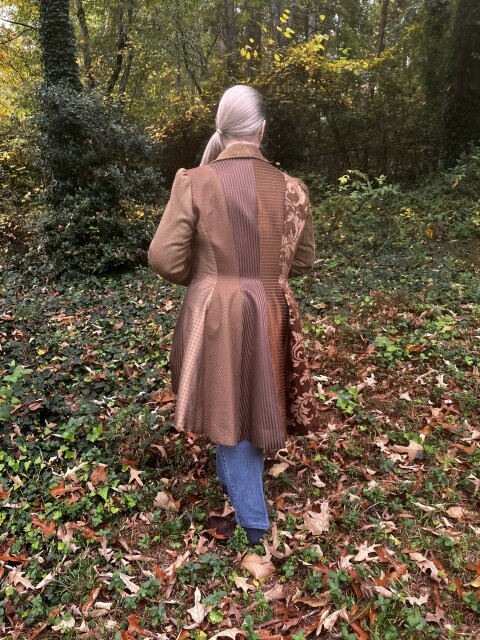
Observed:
{"x":234,"y":230}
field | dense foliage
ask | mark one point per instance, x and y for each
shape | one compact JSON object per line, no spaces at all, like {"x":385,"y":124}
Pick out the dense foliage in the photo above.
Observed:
{"x":386,"y":89}
{"x":102,"y":185}
{"x":375,"y":516}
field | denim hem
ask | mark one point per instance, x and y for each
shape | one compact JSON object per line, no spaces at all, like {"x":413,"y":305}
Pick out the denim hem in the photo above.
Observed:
{"x":240,"y":469}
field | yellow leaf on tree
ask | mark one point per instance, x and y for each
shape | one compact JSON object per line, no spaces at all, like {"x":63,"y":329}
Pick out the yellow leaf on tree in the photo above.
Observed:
{"x":277,"y":57}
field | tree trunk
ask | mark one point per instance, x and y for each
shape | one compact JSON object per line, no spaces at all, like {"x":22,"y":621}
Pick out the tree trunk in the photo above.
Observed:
{"x":275,"y":12}
{"x":124,"y":28}
{"x":85,"y":44}
{"x":57,"y":44}
{"x":461,"y":114}
{"x":436,"y":44}
{"x":382,"y":27}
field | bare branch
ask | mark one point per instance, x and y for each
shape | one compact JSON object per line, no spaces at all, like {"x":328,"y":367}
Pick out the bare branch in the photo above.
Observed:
{"x":20,"y":24}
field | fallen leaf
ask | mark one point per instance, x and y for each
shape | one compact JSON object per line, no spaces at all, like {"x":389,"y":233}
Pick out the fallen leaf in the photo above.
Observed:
{"x":165,"y":501}
{"x":60,"y":490}
{"x":47,"y":528}
{"x":91,"y":599}
{"x":135,"y":476}
{"x":420,"y":600}
{"x":16,"y":577}
{"x":318,"y":523}
{"x":242,"y":583}
{"x":327,"y":620}
{"x":275,"y":593}
{"x":457,"y":512}
{"x":198,"y":611}
{"x":131,"y":586}
{"x":99,"y":475}
{"x":425,"y":565}
{"x":228,"y":633}
{"x":413,"y":450}
{"x":48,"y":578}
{"x":364,"y":552}
{"x":277,"y":469}
{"x":133,"y":626}
{"x":3,"y":493}
{"x":317,"y":482}
{"x":65,"y":623}
{"x":258,"y":566}
{"x":314,"y":602}
{"x":439,"y":616}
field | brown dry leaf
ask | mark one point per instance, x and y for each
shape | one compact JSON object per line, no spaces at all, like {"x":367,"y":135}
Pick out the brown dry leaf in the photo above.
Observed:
{"x":47,"y":528}
{"x":6,"y":557}
{"x":318,"y":523}
{"x":3,"y":493}
{"x":273,"y":549}
{"x":413,"y":450}
{"x":60,"y":490}
{"x":317,"y":482}
{"x":98,"y":474}
{"x":133,"y":626}
{"x":277,"y":469}
{"x":425,"y":565}
{"x":16,"y":578}
{"x":420,"y":600}
{"x":457,"y":512}
{"x":48,"y":578}
{"x":135,"y":476}
{"x":198,"y":611}
{"x":228,"y":633}
{"x":91,"y":599}
{"x":364,"y":552}
{"x":36,"y":632}
{"x":439,"y":616}
{"x":275,"y":593}
{"x":161,"y":449}
{"x":314,"y":602}
{"x":131,"y":586}
{"x":161,"y":397}
{"x":165,"y":501}
{"x":259,"y":567}
{"x":242,"y":583}
{"x":64,"y":624}
{"x":327,"y":620}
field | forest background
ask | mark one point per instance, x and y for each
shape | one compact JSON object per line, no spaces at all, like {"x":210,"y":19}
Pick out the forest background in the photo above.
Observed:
{"x":376,"y":105}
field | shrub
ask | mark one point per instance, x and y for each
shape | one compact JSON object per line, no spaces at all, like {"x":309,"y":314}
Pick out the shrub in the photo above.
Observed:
{"x":101,"y":176}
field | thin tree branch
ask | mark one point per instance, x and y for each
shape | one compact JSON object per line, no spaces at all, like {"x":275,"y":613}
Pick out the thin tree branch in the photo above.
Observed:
{"x":18,"y":35}
{"x":21,"y":24}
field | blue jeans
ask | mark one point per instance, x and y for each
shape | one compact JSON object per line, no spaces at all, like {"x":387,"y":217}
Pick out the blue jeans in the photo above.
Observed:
{"x":240,"y":470}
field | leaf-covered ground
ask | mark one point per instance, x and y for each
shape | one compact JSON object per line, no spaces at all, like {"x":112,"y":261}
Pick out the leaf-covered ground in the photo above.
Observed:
{"x":375,"y":519}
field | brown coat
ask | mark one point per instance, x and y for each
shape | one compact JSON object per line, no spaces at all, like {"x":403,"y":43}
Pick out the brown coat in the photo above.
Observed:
{"x":233,"y":232}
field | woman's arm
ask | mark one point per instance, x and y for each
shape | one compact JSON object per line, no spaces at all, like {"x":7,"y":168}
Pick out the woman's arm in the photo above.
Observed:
{"x":170,"y":251}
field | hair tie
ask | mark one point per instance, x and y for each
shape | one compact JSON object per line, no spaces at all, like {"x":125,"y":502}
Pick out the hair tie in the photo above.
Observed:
{"x":220,"y":132}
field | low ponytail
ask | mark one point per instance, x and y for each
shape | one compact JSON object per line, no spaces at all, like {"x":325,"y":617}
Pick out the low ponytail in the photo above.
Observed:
{"x":214,"y":147}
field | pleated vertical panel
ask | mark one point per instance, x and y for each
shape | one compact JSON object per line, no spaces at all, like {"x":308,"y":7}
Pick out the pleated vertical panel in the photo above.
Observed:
{"x":260,"y":416}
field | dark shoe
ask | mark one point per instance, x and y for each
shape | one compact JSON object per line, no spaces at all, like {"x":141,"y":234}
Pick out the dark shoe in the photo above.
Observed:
{"x":254,"y":535}
{"x":220,"y":527}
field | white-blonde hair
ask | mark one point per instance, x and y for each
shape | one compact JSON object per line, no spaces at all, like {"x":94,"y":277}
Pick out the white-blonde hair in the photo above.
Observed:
{"x":240,"y":116}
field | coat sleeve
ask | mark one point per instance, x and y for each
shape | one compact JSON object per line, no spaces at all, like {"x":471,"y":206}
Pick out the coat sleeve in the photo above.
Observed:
{"x":304,"y":257}
{"x":170,"y":250}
